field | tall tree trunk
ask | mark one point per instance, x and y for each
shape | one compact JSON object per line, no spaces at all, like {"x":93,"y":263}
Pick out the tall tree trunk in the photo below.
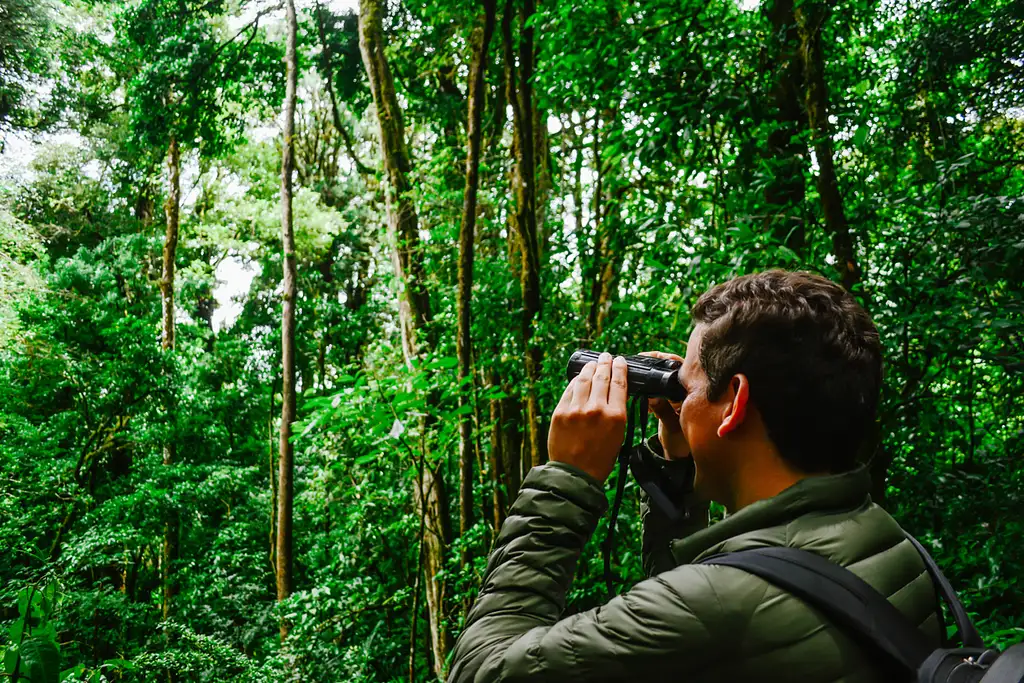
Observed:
{"x":578,"y":137}
{"x":414,"y":619}
{"x":285,"y":451}
{"x":609,"y":244}
{"x":430,"y":494}
{"x":144,"y":204}
{"x":810,"y":17}
{"x":608,"y":279}
{"x":512,"y":444}
{"x":497,"y":457}
{"x":521,"y":98}
{"x":592,"y":276}
{"x":467,"y":231}
{"x":272,"y":555}
{"x":169,"y":552}
{"x":784,"y":194}
{"x":497,"y":462}
{"x":542,"y":172}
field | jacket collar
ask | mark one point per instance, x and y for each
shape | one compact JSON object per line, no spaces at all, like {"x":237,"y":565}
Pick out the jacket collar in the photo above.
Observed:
{"x":844,"y":491}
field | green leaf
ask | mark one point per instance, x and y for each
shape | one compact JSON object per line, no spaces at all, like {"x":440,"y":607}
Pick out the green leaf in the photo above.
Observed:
{"x":311,"y":426}
{"x":462,"y":410}
{"x":24,"y":598}
{"x":14,"y":632}
{"x":10,"y":658}
{"x":789,"y":253}
{"x":40,"y":660}
{"x":443,"y":363}
{"x":654,"y":263}
{"x":75,"y":671}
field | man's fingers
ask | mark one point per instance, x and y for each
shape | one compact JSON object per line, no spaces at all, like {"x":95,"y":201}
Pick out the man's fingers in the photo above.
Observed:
{"x":665,"y":412}
{"x":566,"y":395}
{"x":602,"y":378}
{"x":661,"y":355}
{"x":581,"y":394}
{"x":618,"y":390}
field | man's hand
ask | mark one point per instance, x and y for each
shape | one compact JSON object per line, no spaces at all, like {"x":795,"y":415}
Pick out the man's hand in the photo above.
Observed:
{"x":589,"y":423}
{"x":670,"y":432}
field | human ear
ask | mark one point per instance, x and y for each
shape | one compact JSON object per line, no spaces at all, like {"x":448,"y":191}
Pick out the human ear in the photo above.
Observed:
{"x":736,"y":411}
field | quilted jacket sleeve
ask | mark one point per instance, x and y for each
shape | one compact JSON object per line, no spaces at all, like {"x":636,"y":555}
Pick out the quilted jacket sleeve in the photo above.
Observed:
{"x":514,"y":631}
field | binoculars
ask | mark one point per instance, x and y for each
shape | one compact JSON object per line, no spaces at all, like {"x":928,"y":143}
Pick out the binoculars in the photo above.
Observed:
{"x":651,"y":377}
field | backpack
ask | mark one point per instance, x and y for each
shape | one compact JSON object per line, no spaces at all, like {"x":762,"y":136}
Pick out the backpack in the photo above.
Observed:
{"x":868,"y":617}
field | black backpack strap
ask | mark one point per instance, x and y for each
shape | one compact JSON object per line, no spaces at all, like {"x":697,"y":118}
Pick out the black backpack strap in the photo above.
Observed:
{"x":1009,"y":668}
{"x":968,"y":634}
{"x":841,"y":595}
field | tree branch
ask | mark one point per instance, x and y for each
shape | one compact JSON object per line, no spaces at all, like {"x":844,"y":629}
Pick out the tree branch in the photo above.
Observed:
{"x":362,"y":168}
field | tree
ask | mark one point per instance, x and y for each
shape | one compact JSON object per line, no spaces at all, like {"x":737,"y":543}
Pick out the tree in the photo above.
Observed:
{"x":520,"y":95}
{"x":784,"y":192}
{"x":810,"y":19}
{"x":286,"y":467}
{"x":480,"y":40}
{"x":169,"y":552}
{"x":349,"y":65}
{"x":415,"y":316}
{"x":175,"y":96}
{"x":24,"y":29}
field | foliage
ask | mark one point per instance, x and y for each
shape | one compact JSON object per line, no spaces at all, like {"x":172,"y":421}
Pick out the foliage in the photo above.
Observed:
{"x":658,"y":168}
{"x":24,"y":29}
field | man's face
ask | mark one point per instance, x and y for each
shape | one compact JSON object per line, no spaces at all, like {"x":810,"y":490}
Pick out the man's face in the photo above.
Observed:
{"x":700,"y":420}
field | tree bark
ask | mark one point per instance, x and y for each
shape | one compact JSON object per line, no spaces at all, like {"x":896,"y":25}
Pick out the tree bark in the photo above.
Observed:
{"x":169,"y":551}
{"x":272,"y":554}
{"x":497,"y":458}
{"x":415,"y":613}
{"x":467,"y":231}
{"x":609,"y":242}
{"x":810,"y":17}
{"x":785,"y":192}
{"x":608,"y":278}
{"x":521,"y":98}
{"x":578,"y":136}
{"x":285,"y":451}
{"x":430,"y":495}
{"x":542,"y":171}
{"x":512,"y":441}
{"x":592,"y":274}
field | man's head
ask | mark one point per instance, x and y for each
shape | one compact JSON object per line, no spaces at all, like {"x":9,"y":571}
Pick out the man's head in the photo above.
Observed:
{"x":782,"y":372}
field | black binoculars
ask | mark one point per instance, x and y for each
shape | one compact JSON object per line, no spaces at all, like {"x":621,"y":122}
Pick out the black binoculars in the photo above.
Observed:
{"x":651,"y":377}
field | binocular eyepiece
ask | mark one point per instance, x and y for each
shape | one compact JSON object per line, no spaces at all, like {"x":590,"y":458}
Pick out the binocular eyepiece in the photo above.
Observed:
{"x":651,"y":377}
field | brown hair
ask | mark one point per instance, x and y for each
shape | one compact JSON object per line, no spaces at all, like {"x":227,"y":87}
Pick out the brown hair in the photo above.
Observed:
{"x":811,"y":354}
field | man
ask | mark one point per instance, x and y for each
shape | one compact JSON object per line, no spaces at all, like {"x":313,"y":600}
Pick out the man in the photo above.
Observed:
{"x":782,"y":374}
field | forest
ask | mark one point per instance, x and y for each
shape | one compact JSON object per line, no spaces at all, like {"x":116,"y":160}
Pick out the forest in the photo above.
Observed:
{"x":288,"y":287}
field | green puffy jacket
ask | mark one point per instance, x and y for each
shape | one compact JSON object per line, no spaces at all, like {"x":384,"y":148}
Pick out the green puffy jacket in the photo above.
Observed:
{"x":689,"y":622}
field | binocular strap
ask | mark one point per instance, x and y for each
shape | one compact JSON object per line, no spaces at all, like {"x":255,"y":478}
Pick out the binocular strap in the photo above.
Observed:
{"x":627,"y":446}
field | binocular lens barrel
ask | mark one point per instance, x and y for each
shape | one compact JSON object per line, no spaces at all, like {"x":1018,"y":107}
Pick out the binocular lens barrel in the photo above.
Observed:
{"x":652,"y":377}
